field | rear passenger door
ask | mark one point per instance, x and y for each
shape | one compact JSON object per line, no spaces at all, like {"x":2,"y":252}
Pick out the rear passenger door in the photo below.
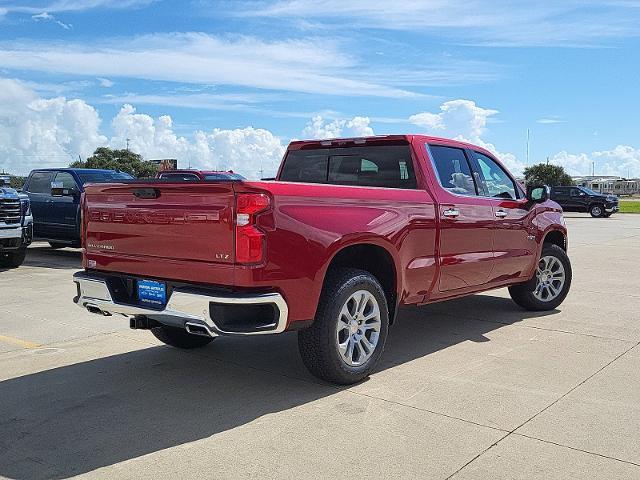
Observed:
{"x":466,"y":221}
{"x":514,"y":245}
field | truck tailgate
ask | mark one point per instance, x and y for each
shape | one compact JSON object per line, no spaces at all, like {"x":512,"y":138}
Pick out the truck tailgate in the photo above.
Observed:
{"x":165,"y":220}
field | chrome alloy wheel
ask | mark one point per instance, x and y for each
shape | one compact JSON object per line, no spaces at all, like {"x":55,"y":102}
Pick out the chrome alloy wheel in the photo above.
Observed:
{"x":358,"y":328}
{"x":550,"y":278}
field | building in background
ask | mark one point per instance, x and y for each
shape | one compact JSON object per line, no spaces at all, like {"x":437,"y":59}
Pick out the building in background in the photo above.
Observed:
{"x":609,"y":184}
{"x":166,"y":164}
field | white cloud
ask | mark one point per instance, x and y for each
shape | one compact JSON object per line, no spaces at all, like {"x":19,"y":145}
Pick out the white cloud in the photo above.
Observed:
{"x":550,"y":120}
{"x":38,"y":132}
{"x":105,"y":82}
{"x":569,"y":23}
{"x":465,"y":121}
{"x":36,"y":7}
{"x":318,"y":128}
{"x":46,"y":132}
{"x":250,"y":151}
{"x":622,"y":161}
{"x":309,"y":66}
{"x":46,"y":17}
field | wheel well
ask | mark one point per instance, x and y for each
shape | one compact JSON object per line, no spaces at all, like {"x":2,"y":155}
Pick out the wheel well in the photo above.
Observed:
{"x":556,"y":238}
{"x":377,"y":261}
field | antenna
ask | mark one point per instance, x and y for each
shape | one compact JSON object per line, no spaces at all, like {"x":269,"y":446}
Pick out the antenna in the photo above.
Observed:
{"x":528,"y":138}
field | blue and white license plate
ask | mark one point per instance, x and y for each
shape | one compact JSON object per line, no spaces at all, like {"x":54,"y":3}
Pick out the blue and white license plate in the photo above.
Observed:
{"x":151,"y":292}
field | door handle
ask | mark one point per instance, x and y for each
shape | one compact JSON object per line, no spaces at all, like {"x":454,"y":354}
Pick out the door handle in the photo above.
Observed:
{"x":501,"y":214}
{"x":451,"y":213}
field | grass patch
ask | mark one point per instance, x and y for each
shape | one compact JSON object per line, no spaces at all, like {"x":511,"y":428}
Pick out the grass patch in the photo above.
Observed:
{"x":630,"y":206}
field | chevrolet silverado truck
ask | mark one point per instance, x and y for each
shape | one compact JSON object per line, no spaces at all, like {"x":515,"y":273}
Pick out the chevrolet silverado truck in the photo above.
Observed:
{"x":349,"y":232}
{"x":16,"y":225}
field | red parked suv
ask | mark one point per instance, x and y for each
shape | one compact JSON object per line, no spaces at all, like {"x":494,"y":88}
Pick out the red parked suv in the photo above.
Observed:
{"x":350,"y":231}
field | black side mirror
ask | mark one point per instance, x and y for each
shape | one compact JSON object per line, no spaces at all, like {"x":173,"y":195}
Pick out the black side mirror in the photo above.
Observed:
{"x":537,"y":193}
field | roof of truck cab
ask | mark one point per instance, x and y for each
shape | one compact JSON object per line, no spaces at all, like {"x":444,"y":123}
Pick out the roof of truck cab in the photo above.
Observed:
{"x":379,"y":139}
{"x":77,"y":170}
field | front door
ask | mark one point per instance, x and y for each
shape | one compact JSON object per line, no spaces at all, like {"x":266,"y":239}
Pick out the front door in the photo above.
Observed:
{"x":514,"y":242}
{"x":466,"y":222}
{"x":39,"y":190}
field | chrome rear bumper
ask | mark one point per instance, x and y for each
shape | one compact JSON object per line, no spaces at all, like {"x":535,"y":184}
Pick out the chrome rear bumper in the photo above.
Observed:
{"x":189,"y":308}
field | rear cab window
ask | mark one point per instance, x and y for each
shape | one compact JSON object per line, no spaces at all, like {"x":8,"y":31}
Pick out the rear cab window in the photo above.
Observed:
{"x":103,"y":177}
{"x":387,"y":166}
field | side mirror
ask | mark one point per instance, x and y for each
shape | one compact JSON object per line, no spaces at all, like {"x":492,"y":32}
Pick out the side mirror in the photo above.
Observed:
{"x":537,"y":193}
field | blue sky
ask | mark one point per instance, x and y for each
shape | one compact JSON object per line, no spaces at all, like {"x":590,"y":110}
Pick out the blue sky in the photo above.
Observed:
{"x":485,"y":71}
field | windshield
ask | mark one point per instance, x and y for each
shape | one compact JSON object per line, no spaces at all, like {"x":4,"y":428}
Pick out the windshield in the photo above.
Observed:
{"x":588,"y":190}
{"x":103,"y":177}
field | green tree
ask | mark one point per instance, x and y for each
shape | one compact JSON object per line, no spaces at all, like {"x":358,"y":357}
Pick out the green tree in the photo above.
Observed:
{"x":17,"y":182}
{"x":123,"y":160}
{"x":552,"y":175}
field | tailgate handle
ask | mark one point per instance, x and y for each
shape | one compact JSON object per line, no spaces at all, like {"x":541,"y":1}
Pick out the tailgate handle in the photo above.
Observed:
{"x":146,"y":193}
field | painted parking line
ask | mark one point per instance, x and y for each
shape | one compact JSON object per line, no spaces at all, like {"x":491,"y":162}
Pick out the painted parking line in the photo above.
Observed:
{"x":18,"y":342}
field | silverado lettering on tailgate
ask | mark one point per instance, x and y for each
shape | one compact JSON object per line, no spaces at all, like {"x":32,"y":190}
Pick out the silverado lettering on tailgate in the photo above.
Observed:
{"x":152,"y":218}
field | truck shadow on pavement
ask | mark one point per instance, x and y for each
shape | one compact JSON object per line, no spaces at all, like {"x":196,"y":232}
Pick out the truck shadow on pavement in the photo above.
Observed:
{"x":60,"y":259}
{"x":77,"y":418}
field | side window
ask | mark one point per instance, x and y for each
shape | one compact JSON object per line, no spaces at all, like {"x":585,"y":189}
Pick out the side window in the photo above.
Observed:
{"x":41,"y":182}
{"x":65,"y":180}
{"x":453,"y":169}
{"x":494,"y":180}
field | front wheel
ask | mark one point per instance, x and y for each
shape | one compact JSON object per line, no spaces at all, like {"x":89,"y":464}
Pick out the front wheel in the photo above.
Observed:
{"x":179,"y":338}
{"x":596,"y":210}
{"x":347,"y":337}
{"x":550,"y":285}
{"x":12,"y":259}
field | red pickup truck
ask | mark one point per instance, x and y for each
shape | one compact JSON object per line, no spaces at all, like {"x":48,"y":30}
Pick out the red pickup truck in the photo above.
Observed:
{"x":350,"y":231}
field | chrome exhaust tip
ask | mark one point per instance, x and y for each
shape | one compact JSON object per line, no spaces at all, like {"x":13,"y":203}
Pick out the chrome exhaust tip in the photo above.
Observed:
{"x":97,"y":311}
{"x":197,"y":329}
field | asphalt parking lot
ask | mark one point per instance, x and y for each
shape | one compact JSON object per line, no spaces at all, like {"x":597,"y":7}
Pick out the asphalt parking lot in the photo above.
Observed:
{"x":472,"y":388}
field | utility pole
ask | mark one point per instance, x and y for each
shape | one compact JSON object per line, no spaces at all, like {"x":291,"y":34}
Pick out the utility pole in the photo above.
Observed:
{"x":128,"y":140}
{"x":547,"y":160}
{"x":593,"y":169}
{"x":528,"y":139}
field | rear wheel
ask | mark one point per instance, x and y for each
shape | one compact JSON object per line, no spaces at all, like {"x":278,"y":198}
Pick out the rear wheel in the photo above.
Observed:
{"x":179,"y":338}
{"x":347,"y":337}
{"x":13,"y":258}
{"x":596,"y":210}
{"x":549,"y":286}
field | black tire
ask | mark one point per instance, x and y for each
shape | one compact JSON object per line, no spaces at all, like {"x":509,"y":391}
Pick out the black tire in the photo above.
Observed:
{"x":318,"y":344}
{"x":596,"y":210}
{"x":179,"y":338}
{"x":523,"y":294}
{"x":56,"y":245}
{"x":12,"y":258}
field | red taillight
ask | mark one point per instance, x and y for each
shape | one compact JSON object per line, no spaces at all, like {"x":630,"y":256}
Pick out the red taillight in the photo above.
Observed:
{"x":249,"y":238}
